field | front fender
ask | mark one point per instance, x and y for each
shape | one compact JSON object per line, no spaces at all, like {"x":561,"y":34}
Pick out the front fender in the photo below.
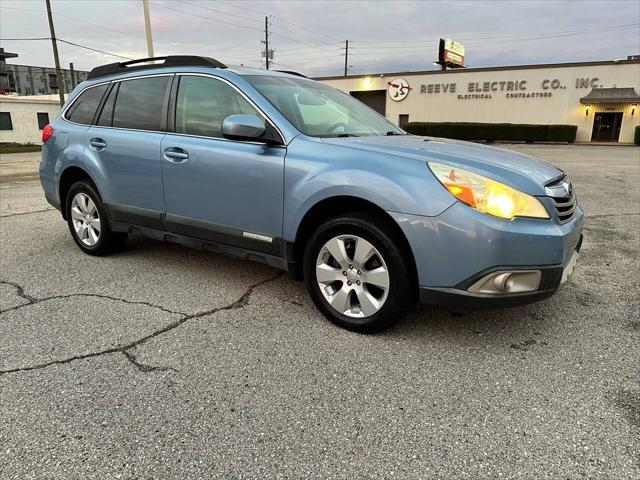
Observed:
{"x":376,"y":189}
{"x":316,"y":171}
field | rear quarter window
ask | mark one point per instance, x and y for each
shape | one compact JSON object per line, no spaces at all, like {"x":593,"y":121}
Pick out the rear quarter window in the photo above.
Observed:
{"x":84,"y":108}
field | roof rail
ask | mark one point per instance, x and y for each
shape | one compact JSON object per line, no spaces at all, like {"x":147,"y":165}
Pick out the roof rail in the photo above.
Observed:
{"x":292,"y":73}
{"x":169,"y":61}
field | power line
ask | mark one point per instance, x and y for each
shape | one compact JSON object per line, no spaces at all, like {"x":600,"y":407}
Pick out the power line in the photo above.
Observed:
{"x":495,"y":37}
{"x":238,"y":25}
{"x":68,"y":43}
{"x":220,"y":12}
{"x":206,"y":18}
{"x":86,"y":22}
{"x":480,"y":45}
{"x":261,"y":13}
{"x":23,"y":39}
{"x":94,"y":49}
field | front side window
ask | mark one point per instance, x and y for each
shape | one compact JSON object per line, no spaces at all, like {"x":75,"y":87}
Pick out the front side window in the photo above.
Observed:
{"x":318,"y":110}
{"x":203,"y":103}
{"x":84,"y":107}
{"x":139,"y":103}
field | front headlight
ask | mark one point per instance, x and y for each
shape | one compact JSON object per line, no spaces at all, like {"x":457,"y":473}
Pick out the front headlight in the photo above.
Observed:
{"x":486,"y":195}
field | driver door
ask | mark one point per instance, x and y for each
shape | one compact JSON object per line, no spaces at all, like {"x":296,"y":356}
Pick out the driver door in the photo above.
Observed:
{"x":225,"y":191}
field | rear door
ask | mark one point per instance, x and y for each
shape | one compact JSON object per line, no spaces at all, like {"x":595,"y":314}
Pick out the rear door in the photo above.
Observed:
{"x":124,"y":149}
{"x":216,"y":189}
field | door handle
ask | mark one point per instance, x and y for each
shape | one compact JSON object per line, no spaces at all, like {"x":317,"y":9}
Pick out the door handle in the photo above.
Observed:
{"x":176,"y":155}
{"x":98,"y":143}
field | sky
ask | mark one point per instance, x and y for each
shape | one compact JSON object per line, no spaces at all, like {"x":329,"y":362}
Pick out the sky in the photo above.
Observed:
{"x":309,"y":36}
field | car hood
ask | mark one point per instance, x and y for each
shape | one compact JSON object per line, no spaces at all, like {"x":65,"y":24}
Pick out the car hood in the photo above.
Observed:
{"x":518,"y":170}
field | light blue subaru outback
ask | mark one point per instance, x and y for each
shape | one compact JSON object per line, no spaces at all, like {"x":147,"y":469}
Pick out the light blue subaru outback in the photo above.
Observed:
{"x":274,"y":167}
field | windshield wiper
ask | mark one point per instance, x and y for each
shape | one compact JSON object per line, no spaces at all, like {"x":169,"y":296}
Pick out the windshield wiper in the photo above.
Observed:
{"x":393,"y":132}
{"x":343,"y":135}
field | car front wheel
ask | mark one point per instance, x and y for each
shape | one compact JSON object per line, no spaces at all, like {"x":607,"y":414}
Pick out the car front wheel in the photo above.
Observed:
{"x":357,"y":275}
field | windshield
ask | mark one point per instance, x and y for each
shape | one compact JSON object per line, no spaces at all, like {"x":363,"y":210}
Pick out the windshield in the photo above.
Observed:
{"x":318,"y":110}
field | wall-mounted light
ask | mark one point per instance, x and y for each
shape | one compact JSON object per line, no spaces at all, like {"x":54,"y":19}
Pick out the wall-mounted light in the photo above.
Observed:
{"x":367,"y":83}
{"x":633,"y":108}
{"x":586,"y":109}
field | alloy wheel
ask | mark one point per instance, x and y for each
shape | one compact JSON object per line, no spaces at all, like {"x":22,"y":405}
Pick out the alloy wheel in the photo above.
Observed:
{"x":86,"y":219}
{"x":352,"y":276}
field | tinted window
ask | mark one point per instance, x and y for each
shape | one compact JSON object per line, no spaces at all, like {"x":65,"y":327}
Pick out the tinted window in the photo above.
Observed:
{"x":84,"y":108}
{"x":203,"y":103}
{"x":106,"y":116}
{"x":5,"y":121}
{"x":139,"y":103}
{"x":43,"y":120}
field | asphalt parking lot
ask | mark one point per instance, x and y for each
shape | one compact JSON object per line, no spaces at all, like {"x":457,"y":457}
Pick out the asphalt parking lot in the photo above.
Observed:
{"x":165,"y":362}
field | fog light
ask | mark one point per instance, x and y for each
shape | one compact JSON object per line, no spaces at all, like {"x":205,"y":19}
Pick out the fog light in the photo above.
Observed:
{"x":514,"y":281}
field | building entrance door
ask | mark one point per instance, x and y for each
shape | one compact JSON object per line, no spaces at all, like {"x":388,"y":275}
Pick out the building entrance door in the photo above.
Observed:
{"x":606,"y":127}
{"x":376,"y":99}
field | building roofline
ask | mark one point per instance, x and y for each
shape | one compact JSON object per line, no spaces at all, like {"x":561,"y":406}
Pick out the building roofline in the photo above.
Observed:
{"x":484,"y":69}
{"x":36,"y":67}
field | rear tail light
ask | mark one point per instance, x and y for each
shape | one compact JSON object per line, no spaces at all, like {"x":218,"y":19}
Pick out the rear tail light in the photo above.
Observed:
{"x":47,"y":131}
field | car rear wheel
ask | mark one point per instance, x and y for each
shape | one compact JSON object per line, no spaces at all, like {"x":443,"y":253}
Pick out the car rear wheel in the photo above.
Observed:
{"x":88,"y":222}
{"x":357,"y":275}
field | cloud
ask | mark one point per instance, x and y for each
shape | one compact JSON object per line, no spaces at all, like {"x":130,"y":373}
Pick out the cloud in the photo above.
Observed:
{"x":309,"y":35}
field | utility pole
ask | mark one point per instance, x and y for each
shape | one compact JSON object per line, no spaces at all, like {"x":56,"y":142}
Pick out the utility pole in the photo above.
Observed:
{"x":266,"y":42}
{"x":346,"y":57}
{"x":56,"y":59}
{"x":147,"y":26}
{"x":73,"y":76}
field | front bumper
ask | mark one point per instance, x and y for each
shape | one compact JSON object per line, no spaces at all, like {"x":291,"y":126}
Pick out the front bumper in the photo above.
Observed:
{"x":551,"y":279}
{"x":461,"y":246}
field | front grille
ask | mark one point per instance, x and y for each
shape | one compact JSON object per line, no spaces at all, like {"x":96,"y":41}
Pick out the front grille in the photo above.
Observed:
{"x":564,"y":199}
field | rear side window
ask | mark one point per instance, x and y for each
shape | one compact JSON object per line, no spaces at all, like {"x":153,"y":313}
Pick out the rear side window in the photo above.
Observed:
{"x":203,"y":103}
{"x":106,"y":116}
{"x":85,"y":106}
{"x":139,"y":104}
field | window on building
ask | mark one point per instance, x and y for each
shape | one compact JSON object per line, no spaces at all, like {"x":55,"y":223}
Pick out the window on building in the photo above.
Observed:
{"x":5,"y":121}
{"x":403,"y":119}
{"x":140,"y":103}
{"x":43,"y":119}
{"x":84,"y":107}
{"x":53,"y":81}
{"x":203,"y":104}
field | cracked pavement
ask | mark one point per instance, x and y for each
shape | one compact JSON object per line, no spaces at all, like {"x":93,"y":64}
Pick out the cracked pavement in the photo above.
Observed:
{"x":164,"y":362}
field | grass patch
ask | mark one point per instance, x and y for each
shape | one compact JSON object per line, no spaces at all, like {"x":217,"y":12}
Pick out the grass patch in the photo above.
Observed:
{"x":19,"y":147}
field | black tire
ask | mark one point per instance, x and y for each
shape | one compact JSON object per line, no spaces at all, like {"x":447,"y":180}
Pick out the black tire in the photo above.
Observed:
{"x":108,"y":241}
{"x":402,"y":289}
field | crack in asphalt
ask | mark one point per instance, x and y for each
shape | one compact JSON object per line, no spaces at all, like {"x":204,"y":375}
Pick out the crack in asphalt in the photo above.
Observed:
{"x":34,"y":301}
{"x":240,"y":303}
{"x":623,"y":214}
{"x":26,"y":213}
{"x":21,"y":293}
{"x":144,"y":367}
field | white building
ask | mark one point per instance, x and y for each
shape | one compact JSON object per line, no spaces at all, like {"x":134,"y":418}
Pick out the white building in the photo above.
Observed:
{"x":22,"y":118}
{"x":600,"y":98}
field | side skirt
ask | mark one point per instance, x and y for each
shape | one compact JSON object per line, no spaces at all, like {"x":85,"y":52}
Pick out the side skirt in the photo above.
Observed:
{"x":199,"y":244}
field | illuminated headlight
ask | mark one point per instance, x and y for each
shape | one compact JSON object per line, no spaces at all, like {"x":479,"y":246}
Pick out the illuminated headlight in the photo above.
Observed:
{"x":486,"y":195}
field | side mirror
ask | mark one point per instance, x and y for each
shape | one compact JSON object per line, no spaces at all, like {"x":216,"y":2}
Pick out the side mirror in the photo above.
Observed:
{"x":242,"y":127}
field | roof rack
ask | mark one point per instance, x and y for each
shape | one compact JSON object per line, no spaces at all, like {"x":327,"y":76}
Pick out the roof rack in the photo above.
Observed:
{"x":169,"y":61}
{"x":292,"y":73}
